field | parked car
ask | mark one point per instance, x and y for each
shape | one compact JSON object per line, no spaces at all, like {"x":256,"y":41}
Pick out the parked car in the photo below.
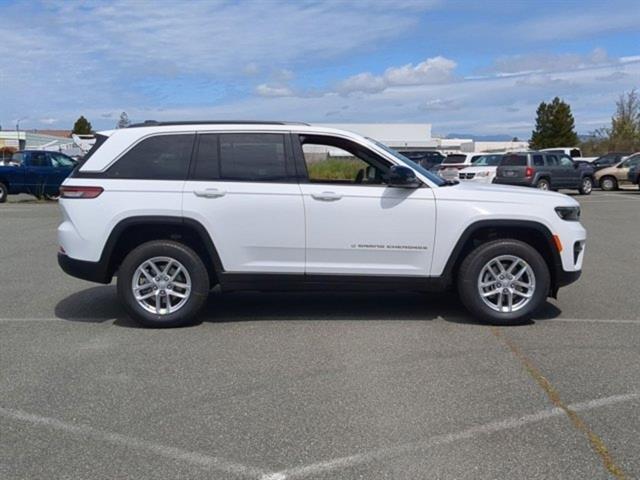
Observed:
{"x":611,"y":178}
{"x":454,"y":163}
{"x":483,"y":170}
{"x":545,"y":170}
{"x":258,"y":206}
{"x":429,"y":159}
{"x":634,"y":175}
{"x":609,"y":160}
{"x":36,"y":172}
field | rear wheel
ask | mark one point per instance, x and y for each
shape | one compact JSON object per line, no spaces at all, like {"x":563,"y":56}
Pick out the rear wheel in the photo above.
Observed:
{"x":4,"y":191}
{"x":52,"y":197}
{"x":163,"y":284}
{"x":543,"y":184}
{"x":503,"y":282}
{"x":586,"y":186}
{"x":608,"y":184}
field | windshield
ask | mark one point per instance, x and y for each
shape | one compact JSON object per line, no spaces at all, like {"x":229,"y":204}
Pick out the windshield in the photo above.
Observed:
{"x":488,"y":161}
{"x":418,"y":168}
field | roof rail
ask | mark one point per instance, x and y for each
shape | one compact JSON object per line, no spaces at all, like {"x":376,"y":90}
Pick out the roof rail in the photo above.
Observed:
{"x":155,"y":123}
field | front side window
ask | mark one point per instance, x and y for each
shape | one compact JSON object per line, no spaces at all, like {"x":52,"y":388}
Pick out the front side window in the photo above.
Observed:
{"x":60,"y":160}
{"x":566,"y":162}
{"x":334,"y":160}
{"x":161,"y":157}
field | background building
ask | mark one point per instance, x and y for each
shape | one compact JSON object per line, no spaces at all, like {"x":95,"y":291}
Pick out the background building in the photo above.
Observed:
{"x":417,"y":136}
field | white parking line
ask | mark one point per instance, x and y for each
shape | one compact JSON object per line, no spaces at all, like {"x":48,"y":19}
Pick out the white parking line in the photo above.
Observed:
{"x":172,"y":453}
{"x":596,"y":320}
{"x":486,"y":429}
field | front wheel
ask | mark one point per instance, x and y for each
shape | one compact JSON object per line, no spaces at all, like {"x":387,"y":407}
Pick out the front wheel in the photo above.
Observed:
{"x":4,"y":191}
{"x":586,"y":186}
{"x":163,"y":284}
{"x":608,"y":183}
{"x":503,"y":282}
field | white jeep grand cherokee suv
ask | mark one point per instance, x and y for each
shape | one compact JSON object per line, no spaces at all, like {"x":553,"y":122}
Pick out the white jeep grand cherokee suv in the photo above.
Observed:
{"x":174,"y":209}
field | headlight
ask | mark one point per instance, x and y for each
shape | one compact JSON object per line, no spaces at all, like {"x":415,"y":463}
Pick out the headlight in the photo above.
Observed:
{"x":570,"y":214}
{"x":483,"y":174}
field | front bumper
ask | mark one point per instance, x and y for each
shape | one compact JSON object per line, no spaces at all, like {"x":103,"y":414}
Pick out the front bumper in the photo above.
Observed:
{"x":91,"y":271}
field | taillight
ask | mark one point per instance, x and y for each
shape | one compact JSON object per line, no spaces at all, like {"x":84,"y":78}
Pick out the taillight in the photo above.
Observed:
{"x":529,"y":172}
{"x":80,"y":192}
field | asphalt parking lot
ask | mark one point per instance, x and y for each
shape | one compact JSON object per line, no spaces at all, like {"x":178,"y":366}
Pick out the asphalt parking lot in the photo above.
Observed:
{"x":318,"y":386}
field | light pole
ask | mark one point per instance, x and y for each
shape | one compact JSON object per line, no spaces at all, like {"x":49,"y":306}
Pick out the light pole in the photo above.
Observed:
{"x":18,"y":131}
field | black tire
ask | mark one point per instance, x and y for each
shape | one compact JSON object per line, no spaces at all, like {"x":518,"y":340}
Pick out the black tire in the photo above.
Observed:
{"x":543,"y":184}
{"x":185,"y":315}
{"x":586,"y":186}
{"x":4,"y":191}
{"x":52,"y":197}
{"x":608,"y":183}
{"x":471,"y":269}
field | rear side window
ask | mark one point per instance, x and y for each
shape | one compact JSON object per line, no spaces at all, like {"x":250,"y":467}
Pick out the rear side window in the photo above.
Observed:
{"x":454,"y":159}
{"x":161,"y":157}
{"x":514,"y":161}
{"x":252,"y":157}
{"x":538,"y":161}
{"x":552,"y":160}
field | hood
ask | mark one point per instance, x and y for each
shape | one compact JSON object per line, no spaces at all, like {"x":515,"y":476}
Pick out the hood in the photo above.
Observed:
{"x":610,"y":171}
{"x":491,"y":193}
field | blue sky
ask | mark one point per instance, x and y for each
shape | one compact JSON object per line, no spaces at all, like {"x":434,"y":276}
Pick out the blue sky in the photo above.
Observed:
{"x":471,"y":67}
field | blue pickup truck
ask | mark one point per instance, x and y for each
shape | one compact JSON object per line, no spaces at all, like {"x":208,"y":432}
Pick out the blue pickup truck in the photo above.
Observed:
{"x":35,"y":172}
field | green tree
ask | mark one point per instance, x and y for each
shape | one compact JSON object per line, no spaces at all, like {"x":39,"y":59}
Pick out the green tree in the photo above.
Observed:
{"x":624,"y":134}
{"x":555,"y":126}
{"x":82,"y":126}
{"x":123,"y":122}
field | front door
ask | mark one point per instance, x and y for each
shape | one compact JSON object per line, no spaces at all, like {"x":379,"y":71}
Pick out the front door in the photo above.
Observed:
{"x":569,"y":172}
{"x":355,"y":223}
{"x":242,"y":188}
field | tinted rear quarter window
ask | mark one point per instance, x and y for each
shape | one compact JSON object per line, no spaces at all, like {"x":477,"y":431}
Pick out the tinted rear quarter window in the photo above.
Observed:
{"x":514,"y":161}
{"x":161,"y":157}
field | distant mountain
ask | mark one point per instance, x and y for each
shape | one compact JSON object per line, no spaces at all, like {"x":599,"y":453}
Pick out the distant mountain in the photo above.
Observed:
{"x":482,"y":138}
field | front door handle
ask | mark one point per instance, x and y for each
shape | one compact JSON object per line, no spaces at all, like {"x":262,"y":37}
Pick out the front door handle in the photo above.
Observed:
{"x":327,"y":196}
{"x":210,"y":193}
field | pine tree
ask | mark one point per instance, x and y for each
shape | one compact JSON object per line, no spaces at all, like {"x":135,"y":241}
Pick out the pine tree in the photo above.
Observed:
{"x":124,"y":121}
{"x":555,"y":126}
{"x":82,"y":126}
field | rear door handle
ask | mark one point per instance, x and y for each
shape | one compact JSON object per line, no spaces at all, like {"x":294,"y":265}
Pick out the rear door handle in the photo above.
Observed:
{"x":210,"y":193}
{"x":327,"y":196}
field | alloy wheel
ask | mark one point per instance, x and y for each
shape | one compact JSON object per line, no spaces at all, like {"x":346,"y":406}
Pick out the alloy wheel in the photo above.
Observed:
{"x":506,"y":283}
{"x":161,"y":285}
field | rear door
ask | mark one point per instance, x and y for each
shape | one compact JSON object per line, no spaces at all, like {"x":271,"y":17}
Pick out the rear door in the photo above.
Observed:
{"x":242,"y":188}
{"x":355,"y":223}
{"x":38,"y":169}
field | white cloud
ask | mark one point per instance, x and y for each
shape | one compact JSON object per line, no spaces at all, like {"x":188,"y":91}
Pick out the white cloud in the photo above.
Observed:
{"x":551,"y":62}
{"x":431,"y":71}
{"x":265,"y":90}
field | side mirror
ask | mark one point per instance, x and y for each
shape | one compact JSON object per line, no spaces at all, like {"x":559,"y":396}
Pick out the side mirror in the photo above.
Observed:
{"x":402,"y":177}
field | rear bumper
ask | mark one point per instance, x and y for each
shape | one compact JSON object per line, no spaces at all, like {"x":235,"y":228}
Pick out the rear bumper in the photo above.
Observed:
{"x":513,"y":181}
{"x":91,"y":271}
